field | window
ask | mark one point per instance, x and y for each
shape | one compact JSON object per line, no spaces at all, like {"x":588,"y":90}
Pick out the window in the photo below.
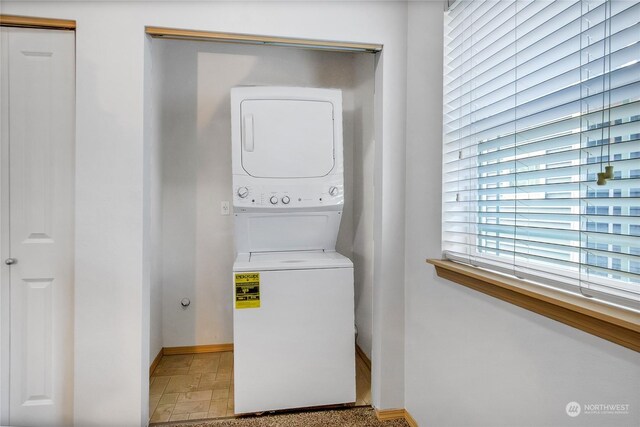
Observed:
{"x":539,"y":98}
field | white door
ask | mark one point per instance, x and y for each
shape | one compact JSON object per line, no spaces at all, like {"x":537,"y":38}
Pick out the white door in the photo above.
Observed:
{"x":283,"y":138}
{"x":37,"y":225}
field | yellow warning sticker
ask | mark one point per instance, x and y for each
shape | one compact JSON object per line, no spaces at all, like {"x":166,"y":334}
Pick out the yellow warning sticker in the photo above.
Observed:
{"x":247,"y":290}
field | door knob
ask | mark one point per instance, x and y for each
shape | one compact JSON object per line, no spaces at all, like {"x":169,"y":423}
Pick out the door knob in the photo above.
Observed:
{"x":10,"y":261}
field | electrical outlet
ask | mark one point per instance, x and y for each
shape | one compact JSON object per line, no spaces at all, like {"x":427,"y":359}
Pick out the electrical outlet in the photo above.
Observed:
{"x":224,"y":208}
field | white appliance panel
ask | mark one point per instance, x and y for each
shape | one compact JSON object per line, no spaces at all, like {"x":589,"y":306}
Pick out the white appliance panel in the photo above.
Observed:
{"x":277,"y":194}
{"x":291,"y":260}
{"x":297,"y":349}
{"x":286,"y":231}
{"x":284,"y":138}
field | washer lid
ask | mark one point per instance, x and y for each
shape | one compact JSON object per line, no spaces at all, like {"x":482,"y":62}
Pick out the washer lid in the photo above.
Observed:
{"x":290,"y":260}
{"x":287,"y":138}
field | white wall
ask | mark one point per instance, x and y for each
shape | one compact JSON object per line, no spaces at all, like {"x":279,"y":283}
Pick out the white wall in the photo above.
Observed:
{"x":112,"y":307}
{"x":362,"y":195}
{"x":153,"y":201}
{"x":193,"y":83}
{"x":472,"y":360}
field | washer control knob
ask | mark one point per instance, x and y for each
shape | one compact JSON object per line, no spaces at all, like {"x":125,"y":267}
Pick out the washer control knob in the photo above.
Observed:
{"x":286,"y":200}
{"x":243,"y":192}
{"x":273,"y":200}
{"x":333,"y":191}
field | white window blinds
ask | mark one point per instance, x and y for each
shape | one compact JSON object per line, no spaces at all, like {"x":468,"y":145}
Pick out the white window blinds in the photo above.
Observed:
{"x":540,"y":97}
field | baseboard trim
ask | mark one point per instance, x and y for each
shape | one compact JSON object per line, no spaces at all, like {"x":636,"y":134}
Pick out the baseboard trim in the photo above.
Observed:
{"x":409,"y":419}
{"x":395,"y":414}
{"x":195,"y":349}
{"x":155,"y":362}
{"x":363,"y":356}
{"x":389,"y":414}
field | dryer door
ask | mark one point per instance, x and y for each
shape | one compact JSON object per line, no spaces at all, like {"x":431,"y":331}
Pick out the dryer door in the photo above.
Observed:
{"x":284,"y":138}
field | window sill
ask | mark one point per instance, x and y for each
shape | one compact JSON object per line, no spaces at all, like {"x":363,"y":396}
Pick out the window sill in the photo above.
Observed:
{"x":606,"y":321}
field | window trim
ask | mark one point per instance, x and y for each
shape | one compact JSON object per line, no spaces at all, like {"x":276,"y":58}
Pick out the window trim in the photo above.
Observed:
{"x":610,"y":322}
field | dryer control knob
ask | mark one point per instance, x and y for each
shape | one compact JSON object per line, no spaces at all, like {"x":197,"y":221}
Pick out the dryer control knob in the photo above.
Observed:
{"x":273,"y":200}
{"x":243,"y":192}
{"x":333,"y":191}
{"x":286,"y":200}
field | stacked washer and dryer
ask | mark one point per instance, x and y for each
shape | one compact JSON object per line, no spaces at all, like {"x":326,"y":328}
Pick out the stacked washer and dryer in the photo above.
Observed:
{"x":293,"y":299}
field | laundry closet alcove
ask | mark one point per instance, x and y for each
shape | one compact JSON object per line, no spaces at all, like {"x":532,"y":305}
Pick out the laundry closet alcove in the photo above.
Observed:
{"x":187,"y":118}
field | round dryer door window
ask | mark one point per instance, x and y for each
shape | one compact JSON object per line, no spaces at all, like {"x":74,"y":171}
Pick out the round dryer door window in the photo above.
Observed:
{"x":287,"y":138}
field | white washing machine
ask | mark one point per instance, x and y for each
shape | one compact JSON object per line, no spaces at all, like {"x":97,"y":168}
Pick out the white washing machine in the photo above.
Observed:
{"x":293,"y":300}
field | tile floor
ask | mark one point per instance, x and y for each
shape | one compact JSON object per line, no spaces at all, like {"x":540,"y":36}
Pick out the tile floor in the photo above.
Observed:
{"x":196,"y":386}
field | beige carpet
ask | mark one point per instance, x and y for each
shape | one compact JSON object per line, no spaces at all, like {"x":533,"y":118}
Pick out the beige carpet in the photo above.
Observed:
{"x":349,"y":417}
